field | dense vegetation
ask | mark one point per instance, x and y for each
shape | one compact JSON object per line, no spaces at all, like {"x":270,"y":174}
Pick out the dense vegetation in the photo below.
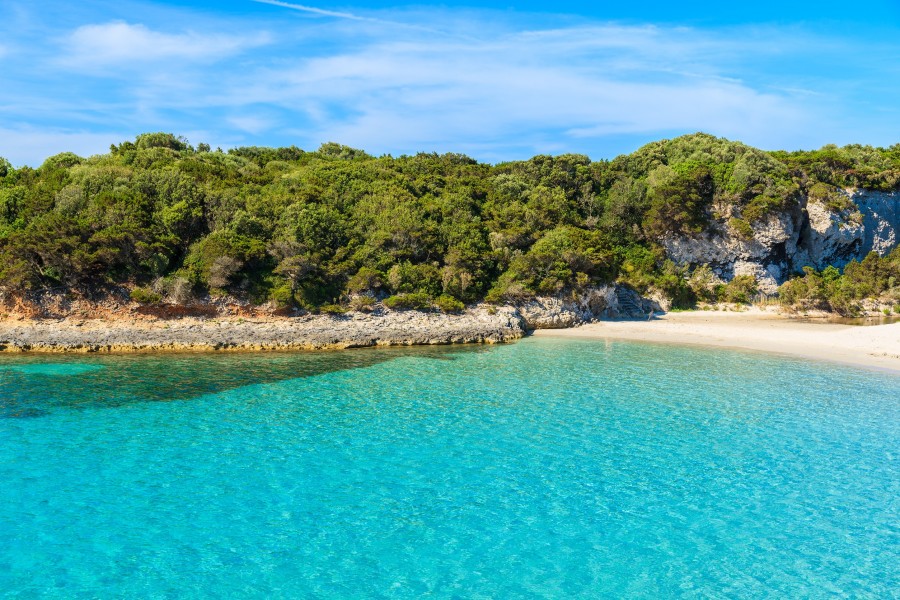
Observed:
{"x":844,"y":293}
{"x":337,"y":225}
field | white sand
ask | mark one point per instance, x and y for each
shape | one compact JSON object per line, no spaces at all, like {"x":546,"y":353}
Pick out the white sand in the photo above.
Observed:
{"x":876,"y":346}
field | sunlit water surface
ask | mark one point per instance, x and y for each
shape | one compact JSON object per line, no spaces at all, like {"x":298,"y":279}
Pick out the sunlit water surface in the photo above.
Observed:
{"x":546,"y":468}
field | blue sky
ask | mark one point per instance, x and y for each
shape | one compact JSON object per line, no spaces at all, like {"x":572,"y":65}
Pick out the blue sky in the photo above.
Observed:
{"x":495,"y":80}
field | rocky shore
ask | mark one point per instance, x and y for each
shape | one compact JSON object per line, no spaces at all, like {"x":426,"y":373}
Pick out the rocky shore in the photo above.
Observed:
{"x":52,"y":326}
{"x":311,"y":332}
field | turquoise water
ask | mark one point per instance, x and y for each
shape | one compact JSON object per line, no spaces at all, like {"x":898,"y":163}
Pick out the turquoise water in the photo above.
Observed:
{"x":546,"y":468}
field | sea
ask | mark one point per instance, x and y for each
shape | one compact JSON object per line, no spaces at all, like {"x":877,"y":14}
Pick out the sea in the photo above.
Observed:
{"x":546,"y":468}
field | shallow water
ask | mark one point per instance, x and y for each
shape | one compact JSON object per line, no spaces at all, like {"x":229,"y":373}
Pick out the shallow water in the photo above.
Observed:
{"x":547,"y":468}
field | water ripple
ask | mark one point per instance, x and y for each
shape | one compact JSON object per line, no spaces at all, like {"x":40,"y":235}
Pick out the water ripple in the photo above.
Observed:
{"x":548,"y":468}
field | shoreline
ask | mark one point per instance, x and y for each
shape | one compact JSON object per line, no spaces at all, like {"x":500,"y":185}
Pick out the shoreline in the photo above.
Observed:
{"x":871,"y":346}
{"x":237,"y":334}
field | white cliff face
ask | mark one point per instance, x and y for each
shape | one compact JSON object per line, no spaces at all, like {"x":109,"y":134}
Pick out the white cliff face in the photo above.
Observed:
{"x":784,"y":244}
{"x":611,"y":301}
{"x":765,"y":255}
{"x":725,"y":247}
{"x":767,"y":276}
{"x":881,"y":219}
{"x":556,"y":313}
{"x":833,"y":238}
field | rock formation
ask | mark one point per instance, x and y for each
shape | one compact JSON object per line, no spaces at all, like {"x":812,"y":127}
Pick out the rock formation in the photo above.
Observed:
{"x":478,"y":324}
{"x":809,"y":234}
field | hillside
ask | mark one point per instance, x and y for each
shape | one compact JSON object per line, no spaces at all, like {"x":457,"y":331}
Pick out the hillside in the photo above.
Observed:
{"x":696,"y":218}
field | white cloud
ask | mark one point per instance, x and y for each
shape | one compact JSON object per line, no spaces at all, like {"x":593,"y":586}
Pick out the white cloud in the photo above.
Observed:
{"x":427,"y":79}
{"x":100,"y":45}
{"x":251,"y":123}
{"x":581,"y":83}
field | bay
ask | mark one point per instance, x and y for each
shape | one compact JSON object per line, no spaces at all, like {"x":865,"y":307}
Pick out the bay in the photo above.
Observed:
{"x":546,"y":468}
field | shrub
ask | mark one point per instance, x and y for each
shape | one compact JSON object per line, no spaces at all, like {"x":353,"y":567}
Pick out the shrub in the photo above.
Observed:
{"x":365,"y":280}
{"x":739,"y":290}
{"x":449,"y":304}
{"x":673,"y":284}
{"x":222,"y":270}
{"x":413,"y":301}
{"x":507,"y":289}
{"x":833,"y":197}
{"x":874,"y":278}
{"x":793,"y":292}
{"x":761,"y":207}
{"x":703,"y":283}
{"x":175,"y":289}
{"x":181,"y":290}
{"x":680,"y":200}
{"x":332,"y":309}
{"x":145,"y":296}
{"x":160,"y":140}
{"x":362,"y":303}
{"x":741,"y":227}
{"x":565,"y":258}
{"x":282,"y":296}
{"x":639,"y":266}
{"x":408,"y":278}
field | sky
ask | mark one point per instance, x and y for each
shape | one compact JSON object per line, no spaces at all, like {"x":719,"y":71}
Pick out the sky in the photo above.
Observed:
{"x":495,"y":80}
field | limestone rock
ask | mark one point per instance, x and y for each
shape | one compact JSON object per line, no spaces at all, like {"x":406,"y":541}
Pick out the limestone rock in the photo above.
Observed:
{"x":612,"y":301}
{"x":809,"y":235}
{"x":765,"y":255}
{"x":479,"y":324}
{"x":834,"y":238}
{"x":881,"y":219}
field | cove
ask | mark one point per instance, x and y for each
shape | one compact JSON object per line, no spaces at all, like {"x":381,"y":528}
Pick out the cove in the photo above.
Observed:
{"x":545,"y":468}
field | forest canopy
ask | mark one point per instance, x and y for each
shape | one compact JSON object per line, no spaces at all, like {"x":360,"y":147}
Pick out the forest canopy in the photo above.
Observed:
{"x":308,"y":229}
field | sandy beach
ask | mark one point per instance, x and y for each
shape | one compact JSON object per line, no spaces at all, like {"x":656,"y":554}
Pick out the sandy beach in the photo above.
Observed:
{"x":876,"y":346}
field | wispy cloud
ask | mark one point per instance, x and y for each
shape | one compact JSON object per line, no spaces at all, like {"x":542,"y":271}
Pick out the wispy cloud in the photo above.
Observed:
{"x":315,"y":11}
{"x":118,"y":42}
{"x":591,"y":83}
{"x":495,"y":85}
{"x":320,"y":12}
{"x":251,"y":123}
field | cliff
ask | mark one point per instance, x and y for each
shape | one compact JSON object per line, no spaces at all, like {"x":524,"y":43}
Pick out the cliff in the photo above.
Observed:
{"x":810,"y":233}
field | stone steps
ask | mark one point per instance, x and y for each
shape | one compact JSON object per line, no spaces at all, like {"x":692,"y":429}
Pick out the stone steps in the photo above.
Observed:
{"x":627,"y":304}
